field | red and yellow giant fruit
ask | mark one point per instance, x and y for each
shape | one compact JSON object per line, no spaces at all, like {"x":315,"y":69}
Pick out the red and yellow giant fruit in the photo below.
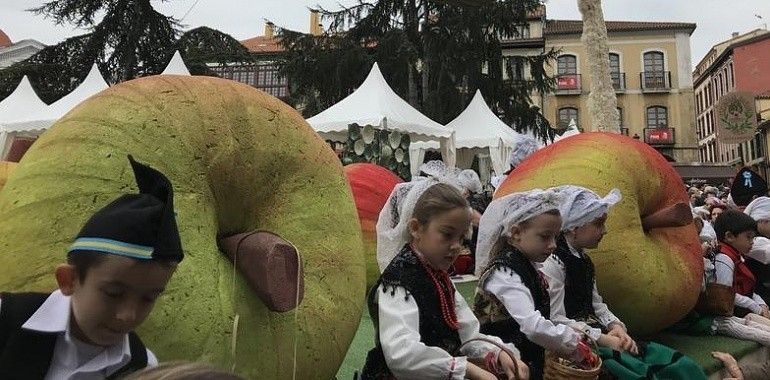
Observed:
{"x":371,"y":185}
{"x":649,"y":279}
{"x":239,"y":160}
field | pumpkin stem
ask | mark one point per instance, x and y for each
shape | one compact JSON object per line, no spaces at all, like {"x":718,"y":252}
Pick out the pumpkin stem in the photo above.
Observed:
{"x":270,"y":265}
{"x":676,"y":215}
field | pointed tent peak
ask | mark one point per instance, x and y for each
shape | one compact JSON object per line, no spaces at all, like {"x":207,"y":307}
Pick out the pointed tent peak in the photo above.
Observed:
{"x":23,"y":104}
{"x":94,"y":79}
{"x":176,"y":66}
{"x":478,"y":97}
{"x":375,"y":75}
{"x":92,"y":84}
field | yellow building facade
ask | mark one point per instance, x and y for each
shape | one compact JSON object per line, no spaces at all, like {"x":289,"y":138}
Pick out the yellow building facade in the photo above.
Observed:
{"x":650,"y":64}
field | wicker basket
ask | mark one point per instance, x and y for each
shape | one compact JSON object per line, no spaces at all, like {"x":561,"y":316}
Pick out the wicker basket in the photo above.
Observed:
{"x":556,"y":370}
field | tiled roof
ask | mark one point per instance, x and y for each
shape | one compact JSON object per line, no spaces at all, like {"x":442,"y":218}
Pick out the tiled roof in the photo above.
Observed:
{"x":554,"y":27}
{"x":262,"y":44}
{"x":4,"y":40}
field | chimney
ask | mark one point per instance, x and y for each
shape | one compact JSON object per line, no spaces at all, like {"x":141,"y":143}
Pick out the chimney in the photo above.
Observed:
{"x":269,"y":29}
{"x":735,"y":34}
{"x":316,"y":28}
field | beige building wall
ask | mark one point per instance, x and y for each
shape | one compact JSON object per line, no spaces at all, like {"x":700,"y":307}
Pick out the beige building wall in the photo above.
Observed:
{"x":631,"y":46}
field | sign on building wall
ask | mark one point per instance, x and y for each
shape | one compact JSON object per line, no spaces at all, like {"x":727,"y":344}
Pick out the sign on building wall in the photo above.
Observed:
{"x":736,"y":117}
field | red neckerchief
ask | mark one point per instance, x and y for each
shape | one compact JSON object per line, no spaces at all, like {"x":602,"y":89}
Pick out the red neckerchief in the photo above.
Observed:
{"x":444,"y":291}
{"x":743,"y":279}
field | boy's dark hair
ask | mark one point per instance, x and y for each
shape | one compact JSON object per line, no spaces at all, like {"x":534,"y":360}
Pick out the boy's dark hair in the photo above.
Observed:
{"x":83,"y":261}
{"x":735,"y":222}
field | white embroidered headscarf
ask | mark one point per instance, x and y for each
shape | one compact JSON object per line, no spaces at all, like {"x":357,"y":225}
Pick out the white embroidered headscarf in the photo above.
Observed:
{"x":507,"y":211}
{"x":759,"y":209}
{"x":470,"y":181}
{"x":438,"y":171}
{"x":393,"y":221}
{"x":525,"y":146}
{"x":581,"y":206}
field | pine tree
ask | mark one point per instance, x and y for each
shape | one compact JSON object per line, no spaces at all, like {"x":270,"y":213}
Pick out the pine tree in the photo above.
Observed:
{"x":434,"y":54}
{"x":130,"y":39}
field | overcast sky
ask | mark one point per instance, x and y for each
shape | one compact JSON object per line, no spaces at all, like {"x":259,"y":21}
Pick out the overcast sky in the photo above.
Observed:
{"x":242,"y":19}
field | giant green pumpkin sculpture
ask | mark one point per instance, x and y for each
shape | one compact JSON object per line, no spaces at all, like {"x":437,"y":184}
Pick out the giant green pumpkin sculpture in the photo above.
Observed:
{"x":239,"y":160}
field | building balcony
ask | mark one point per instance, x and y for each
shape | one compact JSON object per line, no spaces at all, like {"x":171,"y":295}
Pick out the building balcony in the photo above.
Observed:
{"x":568,"y":84}
{"x":655,"y":81}
{"x":660,"y":136}
{"x":618,"y":81}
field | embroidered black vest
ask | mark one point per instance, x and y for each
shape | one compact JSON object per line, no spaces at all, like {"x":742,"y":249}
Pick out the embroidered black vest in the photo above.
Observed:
{"x":578,"y":283}
{"x":26,"y":354}
{"x":494,"y":317}
{"x":406,"y":271}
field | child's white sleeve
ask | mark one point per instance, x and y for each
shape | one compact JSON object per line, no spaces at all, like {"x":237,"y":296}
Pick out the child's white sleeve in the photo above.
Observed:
{"x":469,"y":329}
{"x":509,"y":289}
{"x":554,"y":270}
{"x":760,"y":250}
{"x":758,"y":299}
{"x":606,"y":318}
{"x":723,"y":269}
{"x":406,"y":356}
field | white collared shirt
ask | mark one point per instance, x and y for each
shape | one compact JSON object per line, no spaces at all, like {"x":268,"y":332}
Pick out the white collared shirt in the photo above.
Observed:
{"x":407,"y":357}
{"x":725,"y":272}
{"x":508,"y":288}
{"x":556,"y":272}
{"x":73,"y":359}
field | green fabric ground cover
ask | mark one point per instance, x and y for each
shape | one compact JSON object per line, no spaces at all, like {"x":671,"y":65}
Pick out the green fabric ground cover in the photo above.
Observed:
{"x":698,"y":348}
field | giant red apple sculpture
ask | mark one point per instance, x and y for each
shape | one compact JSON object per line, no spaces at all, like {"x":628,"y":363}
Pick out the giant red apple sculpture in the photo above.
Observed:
{"x":371,"y":185}
{"x":649,"y":266}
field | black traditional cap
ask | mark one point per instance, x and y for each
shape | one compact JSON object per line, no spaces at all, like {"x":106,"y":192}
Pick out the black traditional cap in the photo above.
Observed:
{"x":141,"y":226}
{"x":746,"y":185}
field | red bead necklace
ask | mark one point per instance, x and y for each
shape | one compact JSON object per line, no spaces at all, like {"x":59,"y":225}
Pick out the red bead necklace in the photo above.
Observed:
{"x":444,"y":290}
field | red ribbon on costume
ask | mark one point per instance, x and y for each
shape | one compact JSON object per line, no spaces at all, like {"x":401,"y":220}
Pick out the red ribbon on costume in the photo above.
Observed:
{"x":743,"y":279}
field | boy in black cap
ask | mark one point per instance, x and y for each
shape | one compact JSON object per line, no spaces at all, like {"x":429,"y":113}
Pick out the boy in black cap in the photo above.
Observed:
{"x":747,"y":185}
{"x":116,"y":268}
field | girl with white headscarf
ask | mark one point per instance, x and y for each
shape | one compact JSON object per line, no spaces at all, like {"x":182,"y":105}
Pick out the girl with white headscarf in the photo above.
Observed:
{"x":423,"y":324}
{"x":516,"y":234}
{"x":575,"y":300}
{"x":524,"y":148}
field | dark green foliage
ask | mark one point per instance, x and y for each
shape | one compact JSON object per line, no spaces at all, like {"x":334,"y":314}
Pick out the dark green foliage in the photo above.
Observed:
{"x":436,"y":66}
{"x":130,"y":39}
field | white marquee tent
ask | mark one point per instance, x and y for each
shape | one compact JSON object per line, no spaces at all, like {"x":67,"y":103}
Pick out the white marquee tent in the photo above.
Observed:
{"x":176,"y":66}
{"x":375,"y":103}
{"x":478,"y":132}
{"x":23,"y":113}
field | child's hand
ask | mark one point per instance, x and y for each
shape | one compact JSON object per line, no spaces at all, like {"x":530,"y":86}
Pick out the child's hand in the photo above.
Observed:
{"x":626,"y":342}
{"x":475,"y":372}
{"x":610,"y":341}
{"x":765,"y":312}
{"x":506,"y":363}
{"x":730,"y":364}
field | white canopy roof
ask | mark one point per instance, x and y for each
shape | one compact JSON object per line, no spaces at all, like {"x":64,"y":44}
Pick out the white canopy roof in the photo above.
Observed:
{"x":93,"y":84}
{"x":22,"y":106}
{"x":572,"y":130}
{"x":477,"y":131}
{"x":375,"y":103}
{"x":176,"y":66}
{"x":478,"y":127}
